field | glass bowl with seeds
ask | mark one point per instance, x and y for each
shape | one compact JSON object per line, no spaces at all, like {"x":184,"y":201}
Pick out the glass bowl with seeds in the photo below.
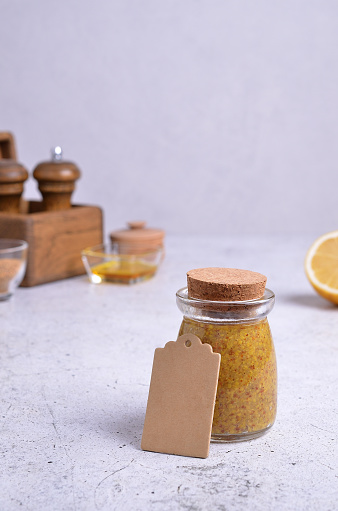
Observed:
{"x":13,"y":260}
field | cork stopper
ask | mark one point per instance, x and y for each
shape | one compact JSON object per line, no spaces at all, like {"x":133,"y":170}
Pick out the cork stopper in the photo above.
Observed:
{"x":225,"y":284}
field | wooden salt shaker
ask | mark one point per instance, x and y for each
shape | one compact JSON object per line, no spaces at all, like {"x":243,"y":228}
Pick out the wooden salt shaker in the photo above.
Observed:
{"x":12,"y":177}
{"x":56,"y":180}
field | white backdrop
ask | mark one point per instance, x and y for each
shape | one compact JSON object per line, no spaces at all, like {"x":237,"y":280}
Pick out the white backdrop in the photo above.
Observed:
{"x":196,"y":115}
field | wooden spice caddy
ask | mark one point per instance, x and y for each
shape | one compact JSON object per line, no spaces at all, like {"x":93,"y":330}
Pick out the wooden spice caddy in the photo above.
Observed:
{"x":55,"y":239}
{"x":55,"y":230}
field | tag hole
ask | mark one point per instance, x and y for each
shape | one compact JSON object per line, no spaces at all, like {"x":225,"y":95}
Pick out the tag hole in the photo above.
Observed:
{"x":188,"y":343}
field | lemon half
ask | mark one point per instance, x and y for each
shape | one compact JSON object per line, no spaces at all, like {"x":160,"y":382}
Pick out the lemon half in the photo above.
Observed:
{"x":321,"y":266}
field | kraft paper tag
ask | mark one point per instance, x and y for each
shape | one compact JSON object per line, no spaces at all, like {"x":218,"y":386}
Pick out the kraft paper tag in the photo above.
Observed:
{"x":181,"y":398}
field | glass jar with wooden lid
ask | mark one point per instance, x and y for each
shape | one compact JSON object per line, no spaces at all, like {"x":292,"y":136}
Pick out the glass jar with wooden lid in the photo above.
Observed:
{"x":228,"y":309}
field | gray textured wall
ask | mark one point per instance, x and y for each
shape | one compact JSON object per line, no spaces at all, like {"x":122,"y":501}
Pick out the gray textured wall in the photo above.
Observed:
{"x":199,"y":116}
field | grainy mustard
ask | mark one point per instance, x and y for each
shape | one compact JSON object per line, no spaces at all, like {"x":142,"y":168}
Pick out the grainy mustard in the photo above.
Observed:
{"x":247,"y":387}
{"x":227,"y":308}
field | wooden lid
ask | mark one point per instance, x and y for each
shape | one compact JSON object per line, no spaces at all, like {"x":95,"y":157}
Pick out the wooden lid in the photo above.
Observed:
{"x":138,"y":236}
{"x":12,"y":172}
{"x":56,"y":170}
{"x":225,"y":284}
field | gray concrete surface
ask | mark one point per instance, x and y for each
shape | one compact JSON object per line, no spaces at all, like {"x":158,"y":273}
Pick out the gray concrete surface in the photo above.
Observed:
{"x":75,"y":367}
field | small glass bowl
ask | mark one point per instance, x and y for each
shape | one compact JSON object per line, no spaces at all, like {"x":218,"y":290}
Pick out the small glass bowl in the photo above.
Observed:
{"x":104,"y":263}
{"x":13,"y":261}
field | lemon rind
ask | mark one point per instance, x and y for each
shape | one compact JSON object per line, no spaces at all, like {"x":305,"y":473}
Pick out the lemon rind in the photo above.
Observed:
{"x":308,"y":269}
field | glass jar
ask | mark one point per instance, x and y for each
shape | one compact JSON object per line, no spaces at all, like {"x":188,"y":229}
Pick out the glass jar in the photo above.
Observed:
{"x":246,"y":399}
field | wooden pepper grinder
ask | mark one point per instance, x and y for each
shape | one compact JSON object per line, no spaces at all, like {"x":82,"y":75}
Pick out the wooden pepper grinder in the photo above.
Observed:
{"x":12,"y":177}
{"x":56,"y":180}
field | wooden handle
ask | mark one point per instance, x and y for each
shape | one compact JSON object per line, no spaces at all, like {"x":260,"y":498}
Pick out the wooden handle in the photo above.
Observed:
{"x":7,"y":146}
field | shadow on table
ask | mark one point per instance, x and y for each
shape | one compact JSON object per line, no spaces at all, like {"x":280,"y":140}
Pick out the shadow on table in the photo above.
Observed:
{"x":127,"y":430}
{"x":307,"y":300}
